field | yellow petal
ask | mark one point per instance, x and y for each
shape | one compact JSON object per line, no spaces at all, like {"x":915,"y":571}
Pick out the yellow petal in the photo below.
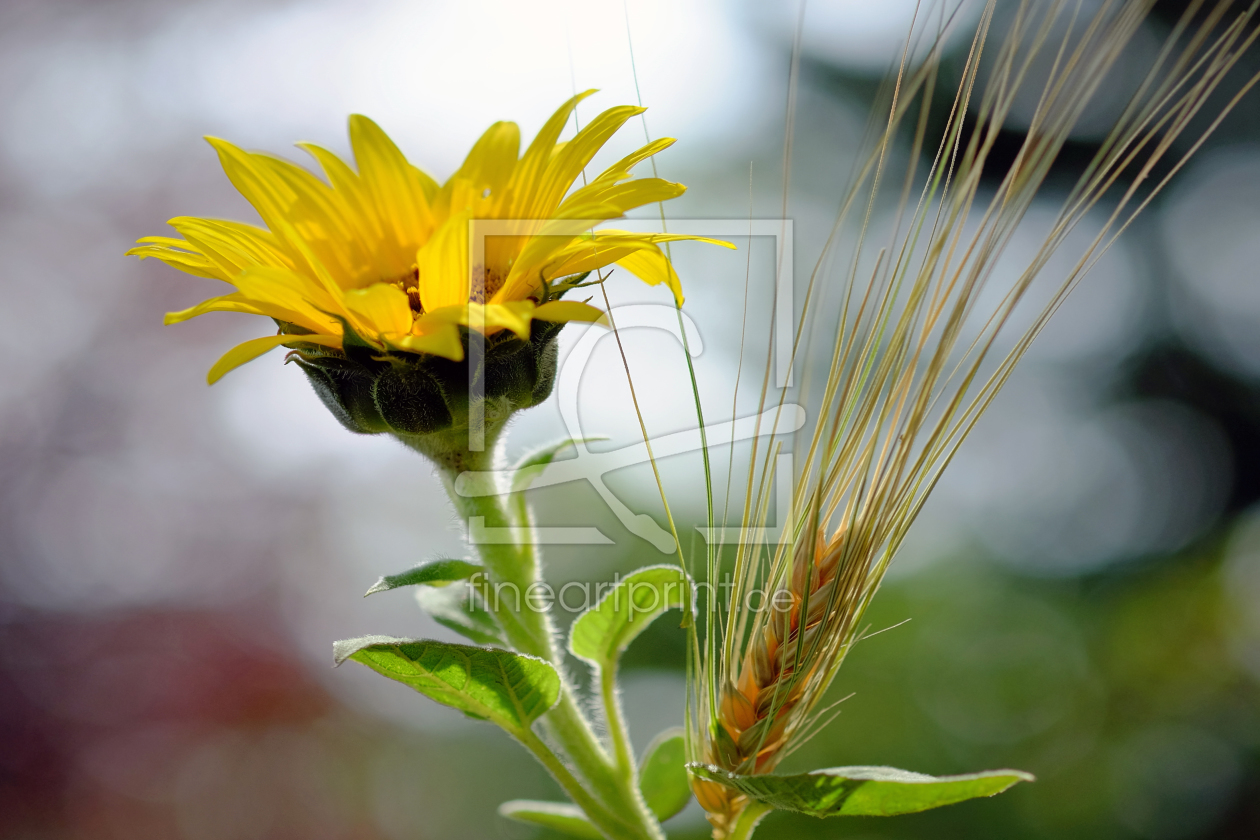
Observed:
{"x":232,"y":246}
{"x":459,"y":195}
{"x":174,"y":256}
{"x":526,"y":176}
{"x":627,"y":196}
{"x":275,"y":200}
{"x":490,"y":318}
{"x":320,"y":217}
{"x":252,"y":349}
{"x":615,"y":236}
{"x":606,"y":247}
{"x":427,"y":186}
{"x":652,"y":267}
{"x":570,"y":310}
{"x":396,"y":191}
{"x":292,"y":291}
{"x":587,"y":256}
{"x":236,"y":302}
{"x":166,"y":242}
{"x":388,"y":258}
{"x":621,"y":169}
{"x":555,"y":234}
{"x":443,"y":265}
{"x":568,"y":164}
{"x":379,"y":310}
{"x":490,"y":163}
{"x":514,"y":315}
{"x":439,"y":339}
{"x":269,"y":196}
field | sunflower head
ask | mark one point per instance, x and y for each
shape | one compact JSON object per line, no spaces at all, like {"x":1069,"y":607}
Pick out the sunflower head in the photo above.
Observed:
{"x":389,"y":288}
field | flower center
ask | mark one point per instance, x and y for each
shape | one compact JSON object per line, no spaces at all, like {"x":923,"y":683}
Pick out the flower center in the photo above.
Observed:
{"x":484,"y":284}
{"x":411,"y":285}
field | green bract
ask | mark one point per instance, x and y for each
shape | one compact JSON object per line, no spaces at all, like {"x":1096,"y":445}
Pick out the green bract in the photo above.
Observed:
{"x":414,"y":396}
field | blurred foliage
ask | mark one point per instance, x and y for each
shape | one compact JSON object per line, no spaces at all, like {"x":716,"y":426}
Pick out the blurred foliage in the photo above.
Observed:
{"x":1118,"y":692}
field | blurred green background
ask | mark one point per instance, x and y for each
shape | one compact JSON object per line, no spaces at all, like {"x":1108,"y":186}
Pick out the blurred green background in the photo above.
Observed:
{"x":1083,"y":591}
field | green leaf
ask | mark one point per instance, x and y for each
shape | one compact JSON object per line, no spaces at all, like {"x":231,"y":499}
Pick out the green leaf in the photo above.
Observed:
{"x":663,"y":774}
{"x":532,"y":465}
{"x":435,"y":573}
{"x":506,"y":688}
{"x":558,"y":816}
{"x":600,"y":634}
{"x":862,"y":791}
{"x":457,"y":608}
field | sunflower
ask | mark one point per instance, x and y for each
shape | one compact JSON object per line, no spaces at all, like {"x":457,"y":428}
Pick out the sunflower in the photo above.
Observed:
{"x":378,"y":259}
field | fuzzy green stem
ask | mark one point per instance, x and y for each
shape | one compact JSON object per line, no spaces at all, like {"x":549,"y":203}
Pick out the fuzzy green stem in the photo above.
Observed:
{"x":529,"y":631}
{"x":510,"y":570}
{"x":617,"y":783}
{"x":617,"y":729}
{"x":607,"y":821}
{"x":515,"y":566}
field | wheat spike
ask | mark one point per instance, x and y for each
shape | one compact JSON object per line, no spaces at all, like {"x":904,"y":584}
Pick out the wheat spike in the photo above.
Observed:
{"x":914,"y":358}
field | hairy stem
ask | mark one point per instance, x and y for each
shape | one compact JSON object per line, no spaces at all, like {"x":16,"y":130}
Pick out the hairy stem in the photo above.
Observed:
{"x":617,"y":729}
{"x":606,"y":820}
{"x":514,"y":565}
{"x":510,"y":571}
